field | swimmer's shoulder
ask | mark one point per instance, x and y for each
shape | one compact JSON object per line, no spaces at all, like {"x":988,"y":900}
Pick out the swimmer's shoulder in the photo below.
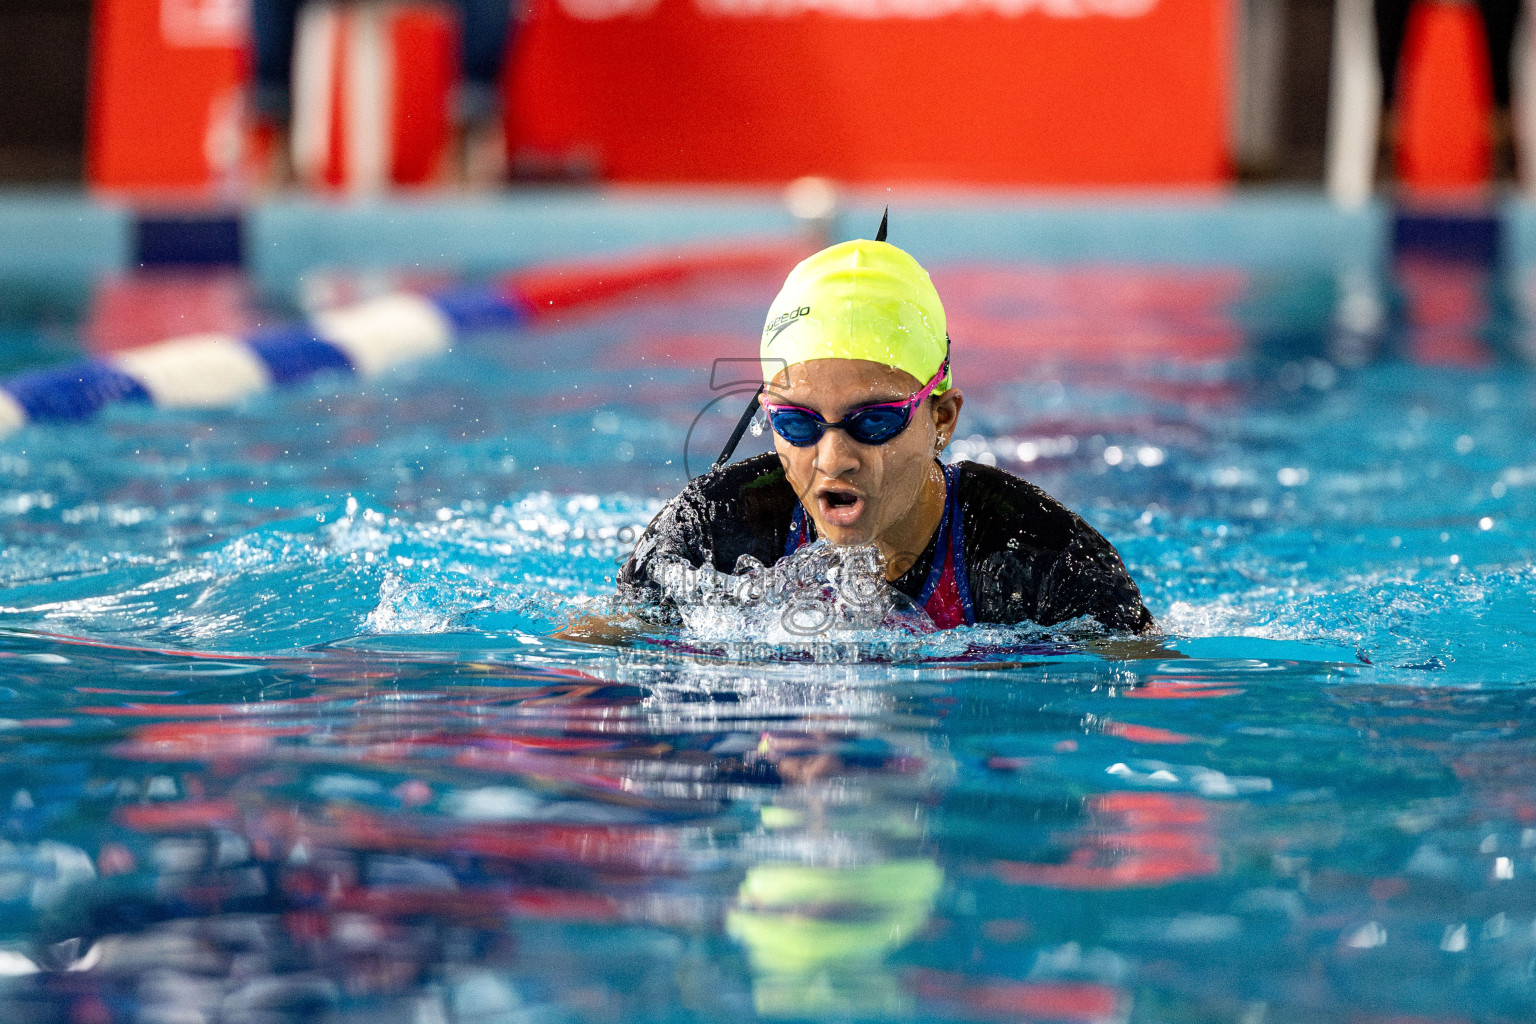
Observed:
{"x":1033,"y":558}
{"x":740,"y":509}
{"x":758,"y":480}
{"x":997,"y":501}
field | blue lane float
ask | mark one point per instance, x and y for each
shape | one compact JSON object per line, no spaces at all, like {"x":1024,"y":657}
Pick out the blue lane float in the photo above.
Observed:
{"x":366,"y":339}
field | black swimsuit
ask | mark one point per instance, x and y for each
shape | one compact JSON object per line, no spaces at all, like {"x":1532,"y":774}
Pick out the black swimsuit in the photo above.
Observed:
{"x":1024,"y":556}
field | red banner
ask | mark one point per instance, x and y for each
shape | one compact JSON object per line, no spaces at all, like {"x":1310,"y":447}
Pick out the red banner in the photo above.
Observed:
{"x":1048,"y":92}
{"x":167,"y":94}
{"x":1445,"y":97}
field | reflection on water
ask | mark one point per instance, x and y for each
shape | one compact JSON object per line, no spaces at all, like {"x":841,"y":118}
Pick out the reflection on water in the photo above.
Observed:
{"x":345,"y":835}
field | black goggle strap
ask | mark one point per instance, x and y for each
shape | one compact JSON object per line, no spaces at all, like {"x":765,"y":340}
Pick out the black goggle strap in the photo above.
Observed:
{"x":741,"y":428}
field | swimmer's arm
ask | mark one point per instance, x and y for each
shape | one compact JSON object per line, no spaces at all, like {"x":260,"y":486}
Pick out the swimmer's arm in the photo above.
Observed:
{"x":671,"y":536}
{"x":603,"y":630}
{"x":1151,"y":646}
{"x":642,"y":604}
{"x":682,"y":532}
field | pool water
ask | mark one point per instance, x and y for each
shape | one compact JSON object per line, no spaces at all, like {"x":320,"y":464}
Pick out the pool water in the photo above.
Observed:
{"x":286,"y":736}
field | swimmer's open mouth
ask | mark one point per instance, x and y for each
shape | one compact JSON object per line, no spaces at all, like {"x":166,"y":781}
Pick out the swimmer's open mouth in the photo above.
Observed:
{"x":840,"y":507}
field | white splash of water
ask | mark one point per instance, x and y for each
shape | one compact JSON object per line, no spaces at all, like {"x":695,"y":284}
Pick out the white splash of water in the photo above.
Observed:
{"x":437,"y":607}
{"x":832,"y":603}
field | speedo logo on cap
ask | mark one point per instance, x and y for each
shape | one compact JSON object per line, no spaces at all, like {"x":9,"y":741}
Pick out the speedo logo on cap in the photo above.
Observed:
{"x":777,"y":325}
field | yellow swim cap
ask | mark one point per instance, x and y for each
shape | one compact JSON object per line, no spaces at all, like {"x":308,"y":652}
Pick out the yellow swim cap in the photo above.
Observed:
{"x":858,"y":300}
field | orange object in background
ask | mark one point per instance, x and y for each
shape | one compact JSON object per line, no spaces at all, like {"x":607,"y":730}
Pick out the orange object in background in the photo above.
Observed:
{"x":372,"y":84}
{"x":1066,"y":92}
{"x":167,"y":106}
{"x":1445,"y":99}
{"x":425,"y":44}
{"x":1054,"y":92}
{"x":166,"y":103}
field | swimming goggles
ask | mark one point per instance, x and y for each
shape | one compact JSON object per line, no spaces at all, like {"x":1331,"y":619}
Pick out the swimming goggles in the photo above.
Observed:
{"x":868,"y":424}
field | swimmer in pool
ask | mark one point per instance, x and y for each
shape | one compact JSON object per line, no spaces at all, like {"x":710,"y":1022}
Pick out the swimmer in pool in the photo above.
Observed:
{"x":859,"y":395}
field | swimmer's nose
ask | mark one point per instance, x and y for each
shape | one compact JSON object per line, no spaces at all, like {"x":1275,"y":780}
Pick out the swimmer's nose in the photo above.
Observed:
{"x":836,"y":455}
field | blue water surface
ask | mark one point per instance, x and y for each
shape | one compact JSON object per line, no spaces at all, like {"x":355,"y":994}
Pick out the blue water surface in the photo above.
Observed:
{"x":286,"y":735}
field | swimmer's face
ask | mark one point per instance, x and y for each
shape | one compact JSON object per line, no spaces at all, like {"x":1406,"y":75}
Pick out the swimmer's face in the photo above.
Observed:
{"x":858,"y":493}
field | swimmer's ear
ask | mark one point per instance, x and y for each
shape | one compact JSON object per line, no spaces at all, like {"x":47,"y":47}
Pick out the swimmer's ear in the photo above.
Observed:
{"x":946,"y":412}
{"x":884,"y":219}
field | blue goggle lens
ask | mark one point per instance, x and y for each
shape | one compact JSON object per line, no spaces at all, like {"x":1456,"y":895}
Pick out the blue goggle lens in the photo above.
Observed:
{"x":798,"y":428}
{"x":877,"y":426}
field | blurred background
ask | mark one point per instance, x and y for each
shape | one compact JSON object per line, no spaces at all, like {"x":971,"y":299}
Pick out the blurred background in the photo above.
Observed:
{"x":287,"y":736}
{"x":222,"y":100}
{"x":231,"y":115}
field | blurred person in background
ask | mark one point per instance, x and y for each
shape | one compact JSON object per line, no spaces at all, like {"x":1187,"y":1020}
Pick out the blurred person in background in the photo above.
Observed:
{"x":478,"y":156}
{"x":1499,"y":18}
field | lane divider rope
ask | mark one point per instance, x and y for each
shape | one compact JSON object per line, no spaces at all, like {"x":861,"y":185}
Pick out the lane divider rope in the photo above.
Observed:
{"x":366,"y":339}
